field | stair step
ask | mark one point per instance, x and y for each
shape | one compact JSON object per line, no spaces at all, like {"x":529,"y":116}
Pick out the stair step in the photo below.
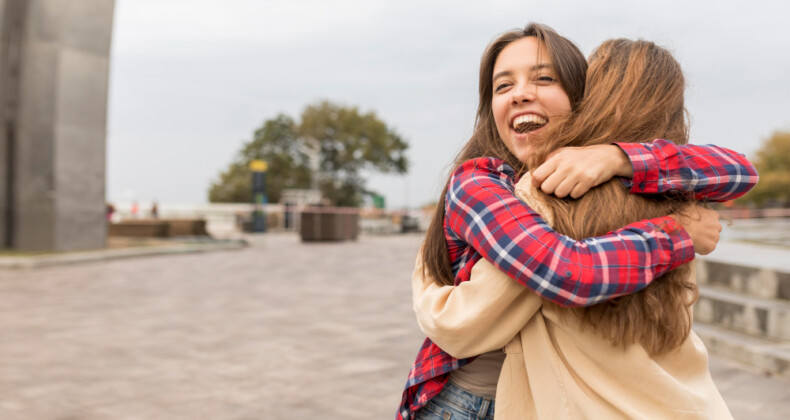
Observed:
{"x":768,"y":355}
{"x":744,"y":313}
{"x":760,"y":282}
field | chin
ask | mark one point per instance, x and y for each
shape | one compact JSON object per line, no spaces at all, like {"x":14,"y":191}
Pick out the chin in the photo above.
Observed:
{"x":524,"y":154}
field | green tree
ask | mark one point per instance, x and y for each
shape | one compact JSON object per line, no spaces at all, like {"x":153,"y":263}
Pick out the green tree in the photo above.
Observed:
{"x":348,"y":144}
{"x":773,"y":164}
{"x":343,"y":143}
{"x":288,"y":164}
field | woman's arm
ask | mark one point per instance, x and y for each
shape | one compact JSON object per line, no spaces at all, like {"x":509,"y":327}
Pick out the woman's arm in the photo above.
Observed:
{"x":482,"y":211}
{"x":708,"y":172}
{"x":476,"y":316}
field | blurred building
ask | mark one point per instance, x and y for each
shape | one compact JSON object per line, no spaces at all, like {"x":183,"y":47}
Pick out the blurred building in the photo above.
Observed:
{"x":54,"y":62}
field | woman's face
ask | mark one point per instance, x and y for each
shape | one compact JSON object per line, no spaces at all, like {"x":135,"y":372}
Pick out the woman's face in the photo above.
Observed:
{"x":527,"y":94}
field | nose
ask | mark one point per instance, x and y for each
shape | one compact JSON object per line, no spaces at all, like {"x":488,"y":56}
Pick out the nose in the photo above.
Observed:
{"x":524,"y":93}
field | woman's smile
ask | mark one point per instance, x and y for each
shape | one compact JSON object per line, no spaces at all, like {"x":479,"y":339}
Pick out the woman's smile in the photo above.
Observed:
{"x":525,"y":123}
{"x":527,"y":94}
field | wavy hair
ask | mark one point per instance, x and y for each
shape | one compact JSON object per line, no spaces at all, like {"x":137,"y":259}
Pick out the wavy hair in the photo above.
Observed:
{"x":634,"y":94}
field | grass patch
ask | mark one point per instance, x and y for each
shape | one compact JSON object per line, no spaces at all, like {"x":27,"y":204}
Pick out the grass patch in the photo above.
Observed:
{"x":113,"y":242}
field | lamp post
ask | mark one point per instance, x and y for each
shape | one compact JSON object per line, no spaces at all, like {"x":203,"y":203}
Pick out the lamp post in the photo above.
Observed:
{"x":258,"y":168}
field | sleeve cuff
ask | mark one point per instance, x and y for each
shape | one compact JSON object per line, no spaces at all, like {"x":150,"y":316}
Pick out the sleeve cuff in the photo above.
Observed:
{"x":682,"y":245}
{"x":645,"y":167}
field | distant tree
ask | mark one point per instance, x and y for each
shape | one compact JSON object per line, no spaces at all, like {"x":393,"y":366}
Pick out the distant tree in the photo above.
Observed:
{"x":234,"y":185}
{"x":288,"y":164}
{"x":773,"y":163}
{"x":349,"y":143}
{"x":342,"y":144}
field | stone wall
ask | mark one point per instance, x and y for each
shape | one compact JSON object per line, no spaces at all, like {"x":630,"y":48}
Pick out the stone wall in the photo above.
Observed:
{"x":7,"y":21}
{"x":55,"y":60}
{"x":743,"y":312}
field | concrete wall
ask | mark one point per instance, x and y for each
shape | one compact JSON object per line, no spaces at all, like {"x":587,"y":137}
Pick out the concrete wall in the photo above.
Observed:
{"x":3,"y":141}
{"x":743,"y":311}
{"x":6,"y":95}
{"x":58,"y":181}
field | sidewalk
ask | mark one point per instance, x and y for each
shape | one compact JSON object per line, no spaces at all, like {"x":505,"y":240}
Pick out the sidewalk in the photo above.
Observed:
{"x":278,"y":330}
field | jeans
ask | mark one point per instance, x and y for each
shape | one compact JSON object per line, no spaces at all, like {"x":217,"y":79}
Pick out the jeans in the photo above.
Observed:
{"x":456,"y":403}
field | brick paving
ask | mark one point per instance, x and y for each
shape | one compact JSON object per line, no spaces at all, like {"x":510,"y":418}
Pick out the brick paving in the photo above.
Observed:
{"x":279,"y":330}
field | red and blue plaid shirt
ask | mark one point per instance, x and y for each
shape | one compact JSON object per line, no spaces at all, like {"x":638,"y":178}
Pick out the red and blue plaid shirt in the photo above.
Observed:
{"x":484,"y":219}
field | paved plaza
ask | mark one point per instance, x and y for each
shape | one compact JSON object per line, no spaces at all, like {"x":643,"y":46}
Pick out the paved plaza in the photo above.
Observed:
{"x":278,"y":330}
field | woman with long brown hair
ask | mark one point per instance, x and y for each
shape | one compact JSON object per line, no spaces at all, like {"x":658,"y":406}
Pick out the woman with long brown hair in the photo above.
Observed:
{"x":632,"y":357}
{"x":529,"y":79}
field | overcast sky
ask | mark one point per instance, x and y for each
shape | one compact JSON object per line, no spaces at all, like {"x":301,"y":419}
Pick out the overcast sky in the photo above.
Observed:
{"x":191,"y":79}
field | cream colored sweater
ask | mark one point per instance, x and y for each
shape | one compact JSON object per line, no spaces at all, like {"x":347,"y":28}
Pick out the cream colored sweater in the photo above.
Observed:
{"x":553,"y":368}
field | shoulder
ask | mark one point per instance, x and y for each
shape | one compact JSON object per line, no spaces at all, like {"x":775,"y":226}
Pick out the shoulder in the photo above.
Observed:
{"x":480,"y":181}
{"x":485,"y":167}
{"x":533,"y":198}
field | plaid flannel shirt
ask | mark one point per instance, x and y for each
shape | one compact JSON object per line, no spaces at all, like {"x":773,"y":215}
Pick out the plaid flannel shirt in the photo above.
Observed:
{"x":484,"y":219}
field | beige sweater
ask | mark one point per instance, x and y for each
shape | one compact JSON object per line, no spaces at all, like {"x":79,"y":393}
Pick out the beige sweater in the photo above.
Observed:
{"x":553,"y":368}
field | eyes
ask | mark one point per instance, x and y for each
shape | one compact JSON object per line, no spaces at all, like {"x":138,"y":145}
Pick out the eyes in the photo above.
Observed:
{"x":540,"y":80}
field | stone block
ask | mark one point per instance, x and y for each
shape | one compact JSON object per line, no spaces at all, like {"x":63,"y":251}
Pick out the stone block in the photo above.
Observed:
{"x":82,"y":89}
{"x":747,"y":314}
{"x":87,"y":26}
{"x":79,"y":188}
{"x":60,"y":125}
{"x":45,"y":19}
{"x":140,"y":228}
{"x":750,"y":281}
{"x":5,"y":21}
{"x":186,"y":227}
{"x":767,"y":355}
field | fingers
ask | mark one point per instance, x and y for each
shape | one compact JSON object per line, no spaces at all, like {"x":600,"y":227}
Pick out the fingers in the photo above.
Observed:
{"x":567,"y":182}
{"x":580,"y":189}
{"x":543,"y":171}
{"x":564,"y":188}
{"x":572,"y":187}
{"x":703,"y":225}
{"x":550,"y":184}
{"x":575,"y":170}
{"x":555,"y":176}
{"x":716,"y":231}
{"x":711,"y":216}
{"x":708,"y":243}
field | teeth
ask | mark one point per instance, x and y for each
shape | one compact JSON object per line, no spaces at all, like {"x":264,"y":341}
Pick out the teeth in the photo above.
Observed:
{"x":528,"y":122}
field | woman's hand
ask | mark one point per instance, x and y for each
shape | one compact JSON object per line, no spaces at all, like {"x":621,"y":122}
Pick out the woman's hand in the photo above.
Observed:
{"x":702,"y":224}
{"x":575,"y":170}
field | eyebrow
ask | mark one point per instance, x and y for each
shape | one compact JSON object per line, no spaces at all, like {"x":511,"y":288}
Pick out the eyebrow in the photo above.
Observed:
{"x":510,"y":73}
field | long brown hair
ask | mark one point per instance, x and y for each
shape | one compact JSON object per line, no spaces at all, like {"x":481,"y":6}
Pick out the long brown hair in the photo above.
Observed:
{"x":570,"y":67}
{"x":634,"y":94}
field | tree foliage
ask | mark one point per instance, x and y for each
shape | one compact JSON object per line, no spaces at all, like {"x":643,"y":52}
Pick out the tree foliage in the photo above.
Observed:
{"x":348,"y":144}
{"x":288,"y":165}
{"x":332,"y":148}
{"x":773,"y":164}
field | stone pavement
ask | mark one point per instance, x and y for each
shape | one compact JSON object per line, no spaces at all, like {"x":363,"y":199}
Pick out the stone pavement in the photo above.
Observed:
{"x":279,"y":330}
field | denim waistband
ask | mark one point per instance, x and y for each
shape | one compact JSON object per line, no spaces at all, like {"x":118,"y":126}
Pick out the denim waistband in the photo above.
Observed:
{"x":465,"y":400}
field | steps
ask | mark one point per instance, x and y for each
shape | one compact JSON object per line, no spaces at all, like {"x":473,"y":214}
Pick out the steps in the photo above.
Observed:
{"x":743,"y":313}
{"x":767,"y":355}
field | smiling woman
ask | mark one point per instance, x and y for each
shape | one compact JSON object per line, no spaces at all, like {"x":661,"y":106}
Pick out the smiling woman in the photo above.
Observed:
{"x":529,"y":79}
{"x":527,"y":95}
